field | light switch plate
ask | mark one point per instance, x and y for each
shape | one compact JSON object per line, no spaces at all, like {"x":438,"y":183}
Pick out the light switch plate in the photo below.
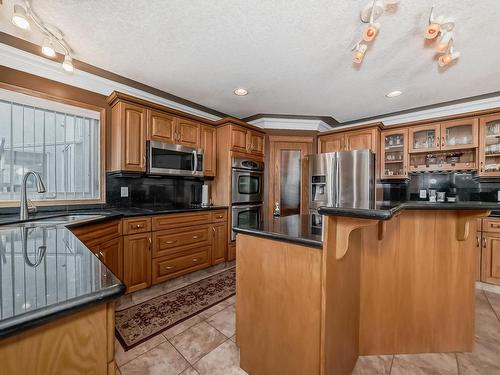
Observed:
{"x":124,"y":191}
{"x":423,"y":194}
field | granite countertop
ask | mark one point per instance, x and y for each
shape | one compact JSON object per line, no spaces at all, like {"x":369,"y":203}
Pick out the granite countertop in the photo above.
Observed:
{"x":295,"y":229}
{"x":386,"y":210}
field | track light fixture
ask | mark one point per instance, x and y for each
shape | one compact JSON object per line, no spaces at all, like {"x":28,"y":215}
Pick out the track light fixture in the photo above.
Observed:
{"x":442,"y":27}
{"x":359,"y":52}
{"x":24,"y":15}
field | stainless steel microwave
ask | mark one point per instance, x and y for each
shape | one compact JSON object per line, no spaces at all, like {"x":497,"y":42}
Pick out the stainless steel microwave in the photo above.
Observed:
{"x":173,"y":160}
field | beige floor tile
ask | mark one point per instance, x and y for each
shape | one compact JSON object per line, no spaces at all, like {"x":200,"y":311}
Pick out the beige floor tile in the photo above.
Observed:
{"x":484,"y":360}
{"x":425,"y":364}
{"x":487,"y":323}
{"x":197,"y":341}
{"x":122,"y":357}
{"x":373,"y":365}
{"x":181,"y":327}
{"x":190,"y":371}
{"x":233,"y":338}
{"x":231,"y":300}
{"x":118,"y":372}
{"x":494,"y":300}
{"x":161,"y":360}
{"x":214,"y":310}
{"x":224,"y":321}
{"x":224,"y":360}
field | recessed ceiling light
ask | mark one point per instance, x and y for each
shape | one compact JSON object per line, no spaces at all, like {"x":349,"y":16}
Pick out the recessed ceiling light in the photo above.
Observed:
{"x":240,"y":92}
{"x":394,"y":93}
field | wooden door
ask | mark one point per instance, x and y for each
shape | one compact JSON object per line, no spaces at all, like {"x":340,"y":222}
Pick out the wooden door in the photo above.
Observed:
{"x":489,"y":146}
{"x":134,"y":141}
{"x":394,"y":154}
{"x":424,"y":138}
{"x":161,"y":126}
{"x":459,"y":134}
{"x":491,"y":258}
{"x":361,"y":140}
{"x":478,"y":256}
{"x":111,"y":254}
{"x":255,"y":143}
{"x":288,"y":175}
{"x":238,"y":139}
{"x":137,"y":261}
{"x":331,"y":143}
{"x":219,"y":243}
{"x":209,"y":146}
{"x":188,"y":133}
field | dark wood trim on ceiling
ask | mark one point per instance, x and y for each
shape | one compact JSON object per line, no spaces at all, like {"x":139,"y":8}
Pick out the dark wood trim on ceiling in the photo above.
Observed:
{"x":326,"y":119}
{"x":35,"y":49}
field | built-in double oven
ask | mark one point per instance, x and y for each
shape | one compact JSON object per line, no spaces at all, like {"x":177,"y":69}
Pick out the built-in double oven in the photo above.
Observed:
{"x":247,"y":178}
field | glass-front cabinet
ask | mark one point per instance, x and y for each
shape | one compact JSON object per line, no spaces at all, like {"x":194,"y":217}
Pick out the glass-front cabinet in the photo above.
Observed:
{"x":459,"y":134}
{"x":424,"y":138}
{"x":394,"y":154}
{"x":489,"y":146}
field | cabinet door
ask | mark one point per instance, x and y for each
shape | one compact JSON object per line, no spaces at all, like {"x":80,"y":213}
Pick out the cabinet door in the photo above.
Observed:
{"x":209,"y":146}
{"x":459,"y":134}
{"x":161,"y":126}
{"x":134,"y":142}
{"x":219,"y":243}
{"x":238,"y":139}
{"x":491,"y":259}
{"x":188,"y":133}
{"x":331,"y":143}
{"x":231,"y":252}
{"x":137,"y":261}
{"x":478,"y":256}
{"x":489,"y":146}
{"x":256,"y":143}
{"x":394,"y":154}
{"x":424,"y":138}
{"x":111,"y":254}
{"x":361,"y":140}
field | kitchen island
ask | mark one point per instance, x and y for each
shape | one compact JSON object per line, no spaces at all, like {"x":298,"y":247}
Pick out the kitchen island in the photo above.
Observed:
{"x":395,"y":278}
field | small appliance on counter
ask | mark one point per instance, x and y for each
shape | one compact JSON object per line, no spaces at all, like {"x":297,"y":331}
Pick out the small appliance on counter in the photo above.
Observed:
{"x":205,"y":196}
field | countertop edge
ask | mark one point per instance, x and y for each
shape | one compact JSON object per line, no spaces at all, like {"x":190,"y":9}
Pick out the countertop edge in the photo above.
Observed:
{"x":279,"y":237}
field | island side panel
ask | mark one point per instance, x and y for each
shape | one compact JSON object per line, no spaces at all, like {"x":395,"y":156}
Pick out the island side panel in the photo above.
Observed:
{"x":417,"y":285}
{"x":278,"y":306}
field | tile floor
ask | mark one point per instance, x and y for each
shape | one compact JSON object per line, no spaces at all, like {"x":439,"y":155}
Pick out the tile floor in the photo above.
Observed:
{"x":204,"y":344}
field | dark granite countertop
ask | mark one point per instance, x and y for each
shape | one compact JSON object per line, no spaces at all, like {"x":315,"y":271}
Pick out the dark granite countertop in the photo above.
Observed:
{"x":295,"y":229}
{"x":386,"y":210}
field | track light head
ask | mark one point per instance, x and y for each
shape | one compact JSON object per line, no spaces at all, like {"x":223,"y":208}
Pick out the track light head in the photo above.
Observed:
{"x":432,"y":31}
{"x":48,"y":48}
{"x":20,"y":17}
{"x":371,"y":32}
{"x":359,"y":53}
{"x":68,"y":64}
{"x":444,"y":42}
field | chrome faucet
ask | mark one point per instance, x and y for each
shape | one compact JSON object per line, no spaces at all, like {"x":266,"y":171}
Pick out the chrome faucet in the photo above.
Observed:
{"x":40,"y":187}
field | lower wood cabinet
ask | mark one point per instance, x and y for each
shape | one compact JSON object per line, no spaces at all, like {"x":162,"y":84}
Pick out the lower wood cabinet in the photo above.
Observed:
{"x":190,"y":260}
{"x":111,"y":254}
{"x":137,"y":261}
{"x":490,"y":272}
{"x":219,"y":243}
{"x":231,"y":252}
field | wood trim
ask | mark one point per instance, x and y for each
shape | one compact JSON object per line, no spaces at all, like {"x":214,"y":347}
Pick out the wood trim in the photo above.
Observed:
{"x":234,"y":121}
{"x":345,"y":226}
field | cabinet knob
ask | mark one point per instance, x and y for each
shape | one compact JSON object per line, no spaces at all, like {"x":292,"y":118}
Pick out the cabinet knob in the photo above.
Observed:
{"x":139,"y":226}
{"x":195,"y":237}
{"x":220,"y":217}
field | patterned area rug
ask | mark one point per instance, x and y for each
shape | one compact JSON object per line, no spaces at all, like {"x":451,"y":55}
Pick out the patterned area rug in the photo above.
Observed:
{"x":138,"y":323}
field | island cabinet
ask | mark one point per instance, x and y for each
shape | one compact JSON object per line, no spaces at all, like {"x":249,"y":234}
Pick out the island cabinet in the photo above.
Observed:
{"x":367,"y":138}
{"x":489,"y":146}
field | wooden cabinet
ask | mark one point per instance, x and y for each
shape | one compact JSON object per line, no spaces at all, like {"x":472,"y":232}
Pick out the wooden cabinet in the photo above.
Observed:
{"x":349,"y":141}
{"x":161,"y":126}
{"x":394,"y":154}
{"x":424,"y":138}
{"x":172,"y":241}
{"x":489,"y":146}
{"x":491,"y":258}
{"x":209,"y":146}
{"x":219,"y":243}
{"x":188,"y":133}
{"x":136,"y":225}
{"x":247,"y":141}
{"x":111,"y":254}
{"x":459,"y":134}
{"x":231,"y":252}
{"x":166,"y":268}
{"x":331,"y":143}
{"x":255,"y":143}
{"x":238,"y":139}
{"x":477,"y":265}
{"x":137,"y":261}
{"x":128,"y":138}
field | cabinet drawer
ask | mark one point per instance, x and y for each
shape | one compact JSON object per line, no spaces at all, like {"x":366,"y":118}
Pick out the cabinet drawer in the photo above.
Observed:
{"x":136,"y":225}
{"x":170,"y":242}
{"x":219,"y":216}
{"x":165,"y":268}
{"x":97,"y":233}
{"x":180,"y":220}
{"x":491,"y":225}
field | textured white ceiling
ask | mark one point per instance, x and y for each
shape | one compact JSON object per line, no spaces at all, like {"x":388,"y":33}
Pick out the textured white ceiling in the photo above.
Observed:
{"x":293,"y":56}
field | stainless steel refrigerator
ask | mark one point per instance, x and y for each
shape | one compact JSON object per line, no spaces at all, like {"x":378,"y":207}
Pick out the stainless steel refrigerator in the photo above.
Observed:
{"x":342,"y":179}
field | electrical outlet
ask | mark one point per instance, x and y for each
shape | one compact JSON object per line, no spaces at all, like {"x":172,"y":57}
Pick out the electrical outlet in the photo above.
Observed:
{"x":423,"y":194}
{"x":124,"y":191}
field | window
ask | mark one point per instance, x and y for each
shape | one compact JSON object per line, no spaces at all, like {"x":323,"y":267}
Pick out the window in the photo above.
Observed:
{"x":59,"y":141}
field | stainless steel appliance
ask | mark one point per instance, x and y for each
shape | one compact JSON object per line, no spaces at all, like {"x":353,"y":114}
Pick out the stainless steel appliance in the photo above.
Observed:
{"x":246,"y":215}
{"x":247,"y":181}
{"x":342,"y":179}
{"x":173,"y":160}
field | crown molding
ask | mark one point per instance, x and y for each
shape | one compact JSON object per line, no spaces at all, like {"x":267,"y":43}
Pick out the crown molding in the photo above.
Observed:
{"x":291,"y":124}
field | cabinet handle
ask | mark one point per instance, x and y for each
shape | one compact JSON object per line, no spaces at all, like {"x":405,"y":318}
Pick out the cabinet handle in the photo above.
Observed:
{"x":477,"y":241}
{"x":195,"y":237}
{"x":195,"y":260}
{"x":220,"y":217}
{"x":169,"y":267}
{"x":170,"y":242}
{"x":484,"y":243}
{"x":101,"y":255}
{"x":495,"y":225}
{"x":482,"y":169}
{"x":213,"y":229}
{"x":139,"y":226}
{"x":442,"y":141}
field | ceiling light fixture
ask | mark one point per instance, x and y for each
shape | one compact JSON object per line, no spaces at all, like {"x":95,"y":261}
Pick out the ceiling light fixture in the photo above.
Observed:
{"x":240,"y":92}
{"x":393,"y":94}
{"x":24,"y":15}
{"x":359,"y":52}
{"x":441,"y":26}
{"x":448,"y":57}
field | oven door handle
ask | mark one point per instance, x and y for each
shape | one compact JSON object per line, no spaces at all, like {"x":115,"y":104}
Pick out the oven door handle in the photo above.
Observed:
{"x":195,"y":163}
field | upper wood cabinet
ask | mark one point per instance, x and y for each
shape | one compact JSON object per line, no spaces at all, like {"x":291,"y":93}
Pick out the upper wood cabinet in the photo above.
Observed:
{"x":349,"y":141}
{"x":137,"y":261}
{"x":188,"y":133}
{"x":128,"y":138}
{"x":424,"y":138}
{"x":247,"y":141}
{"x":489,"y":146}
{"x":209,"y":146}
{"x":394,"y":154}
{"x":161,"y":126}
{"x":331,"y":143}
